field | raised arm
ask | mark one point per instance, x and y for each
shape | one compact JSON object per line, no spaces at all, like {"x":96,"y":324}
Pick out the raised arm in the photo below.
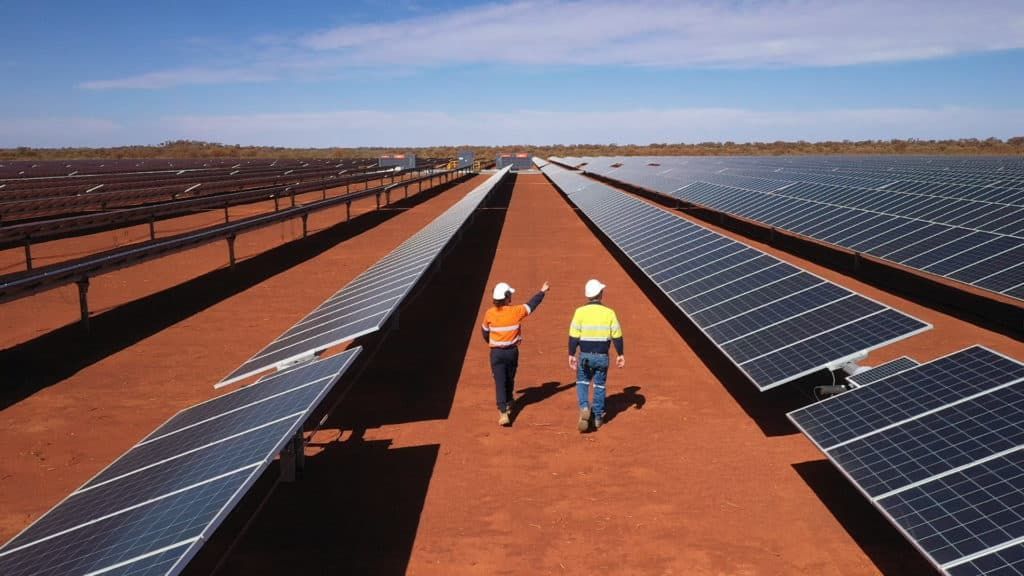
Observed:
{"x":537,"y":298}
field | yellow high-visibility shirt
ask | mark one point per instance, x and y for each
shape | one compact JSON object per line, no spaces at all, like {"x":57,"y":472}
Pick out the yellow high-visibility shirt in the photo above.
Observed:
{"x":593,"y":327}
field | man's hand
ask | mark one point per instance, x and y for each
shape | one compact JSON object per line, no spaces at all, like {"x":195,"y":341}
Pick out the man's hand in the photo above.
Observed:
{"x":545,"y":287}
{"x":572,"y":363}
{"x":620,"y":361}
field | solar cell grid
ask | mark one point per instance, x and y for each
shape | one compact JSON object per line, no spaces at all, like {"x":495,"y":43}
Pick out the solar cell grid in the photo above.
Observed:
{"x":1005,"y":562}
{"x":966,"y":512}
{"x":935,"y":443}
{"x":127,"y":534}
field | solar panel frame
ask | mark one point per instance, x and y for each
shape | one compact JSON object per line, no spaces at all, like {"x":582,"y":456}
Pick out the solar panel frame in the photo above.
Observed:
{"x":882,"y":371}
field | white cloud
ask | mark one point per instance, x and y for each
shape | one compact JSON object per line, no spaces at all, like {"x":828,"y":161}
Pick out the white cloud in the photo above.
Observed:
{"x":636,"y":126}
{"x":661,"y":33}
{"x":685,"y":34}
{"x":183,"y":76}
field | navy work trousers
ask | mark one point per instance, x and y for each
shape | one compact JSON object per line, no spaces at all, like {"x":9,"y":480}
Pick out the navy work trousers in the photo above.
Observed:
{"x":504,"y":362}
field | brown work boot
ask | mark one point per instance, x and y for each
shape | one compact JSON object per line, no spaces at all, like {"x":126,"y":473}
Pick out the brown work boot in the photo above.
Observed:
{"x":584,"y":422}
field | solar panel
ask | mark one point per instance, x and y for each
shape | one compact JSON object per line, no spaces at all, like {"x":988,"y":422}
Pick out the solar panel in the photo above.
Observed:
{"x":882,"y":371}
{"x":927,"y":387}
{"x":773,"y":320}
{"x":970,"y":232}
{"x":150,"y":511}
{"x":939,"y":449}
{"x":365,"y":303}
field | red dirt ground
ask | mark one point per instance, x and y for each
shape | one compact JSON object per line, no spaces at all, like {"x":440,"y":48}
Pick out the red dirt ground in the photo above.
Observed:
{"x":694,"y":473}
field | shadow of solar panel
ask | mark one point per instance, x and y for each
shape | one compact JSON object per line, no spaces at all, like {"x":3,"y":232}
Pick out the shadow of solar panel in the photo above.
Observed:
{"x":775,"y":322}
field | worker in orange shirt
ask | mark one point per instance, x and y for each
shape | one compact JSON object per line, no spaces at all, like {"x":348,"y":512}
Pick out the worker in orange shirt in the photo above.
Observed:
{"x":501,"y":330}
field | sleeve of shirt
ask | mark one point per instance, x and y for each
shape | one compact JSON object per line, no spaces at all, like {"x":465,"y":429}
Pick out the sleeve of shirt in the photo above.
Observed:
{"x":575,"y":331}
{"x":616,"y":334}
{"x":485,"y":328}
{"x":534,"y":303}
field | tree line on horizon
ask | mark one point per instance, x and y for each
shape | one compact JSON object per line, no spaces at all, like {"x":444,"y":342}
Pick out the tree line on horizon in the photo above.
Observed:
{"x":199,"y":149}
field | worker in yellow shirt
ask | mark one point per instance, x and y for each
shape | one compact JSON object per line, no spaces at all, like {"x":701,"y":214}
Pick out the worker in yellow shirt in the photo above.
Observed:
{"x":594,"y":326}
{"x":502,"y":332}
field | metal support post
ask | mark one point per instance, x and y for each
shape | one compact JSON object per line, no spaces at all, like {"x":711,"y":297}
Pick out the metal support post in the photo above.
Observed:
{"x":305,"y":229}
{"x":348,"y":211}
{"x":231,"y":250}
{"x":28,"y":253}
{"x":293,"y":198}
{"x":293,"y":458}
{"x":226,"y":214}
{"x":377,"y":196}
{"x":83,"y":300}
{"x":152,"y":228}
{"x":275,"y":203}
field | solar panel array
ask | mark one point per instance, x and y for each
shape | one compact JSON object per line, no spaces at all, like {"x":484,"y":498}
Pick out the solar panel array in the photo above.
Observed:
{"x":961,"y":219}
{"x":882,"y":371}
{"x":150,"y":511}
{"x":775,"y":321}
{"x":939,"y":449}
{"x":365,"y":303}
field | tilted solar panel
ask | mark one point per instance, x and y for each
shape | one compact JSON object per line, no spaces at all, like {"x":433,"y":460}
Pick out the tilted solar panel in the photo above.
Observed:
{"x":776,"y":322}
{"x":939,"y":449}
{"x":151,"y":510}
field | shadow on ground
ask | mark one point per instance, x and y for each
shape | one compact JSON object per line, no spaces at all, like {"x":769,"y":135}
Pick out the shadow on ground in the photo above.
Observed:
{"x":526,"y":397}
{"x":357,"y":509}
{"x":891,"y":553}
{"x":59,"y":354}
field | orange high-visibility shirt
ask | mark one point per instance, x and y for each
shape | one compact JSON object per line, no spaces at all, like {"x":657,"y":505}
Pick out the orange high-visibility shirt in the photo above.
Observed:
{"x":502,"y":325}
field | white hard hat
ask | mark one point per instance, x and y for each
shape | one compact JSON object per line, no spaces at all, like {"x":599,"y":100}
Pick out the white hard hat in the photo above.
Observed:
{"x":501,"y":290}
{"x":593,"y":288}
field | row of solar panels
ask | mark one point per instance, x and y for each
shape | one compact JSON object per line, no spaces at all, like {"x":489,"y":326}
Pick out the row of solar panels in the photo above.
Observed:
{"x":151,"y":510}
{"x":968,"y":233}
{"x":773,"y":320}
{"x":365,"y":303}
{"x":938,"y":448}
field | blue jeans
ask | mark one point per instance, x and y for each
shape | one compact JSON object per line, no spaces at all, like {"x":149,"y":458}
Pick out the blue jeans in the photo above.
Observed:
{"x":591,"y":366}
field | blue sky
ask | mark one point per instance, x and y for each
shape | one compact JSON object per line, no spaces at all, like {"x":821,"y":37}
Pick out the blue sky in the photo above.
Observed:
{"x":376,"y":73}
